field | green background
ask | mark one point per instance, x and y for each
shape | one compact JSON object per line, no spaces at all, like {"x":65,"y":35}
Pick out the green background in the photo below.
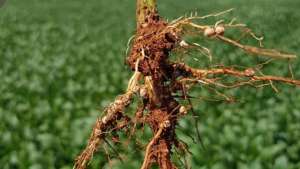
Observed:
{"x":62,"y":61}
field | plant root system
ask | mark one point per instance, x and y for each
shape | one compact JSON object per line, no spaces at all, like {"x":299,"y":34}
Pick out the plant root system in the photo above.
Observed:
{"x":157,"y":79}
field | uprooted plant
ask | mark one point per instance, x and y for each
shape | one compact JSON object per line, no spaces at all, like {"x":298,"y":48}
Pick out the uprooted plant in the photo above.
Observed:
{"x":156,"y":80}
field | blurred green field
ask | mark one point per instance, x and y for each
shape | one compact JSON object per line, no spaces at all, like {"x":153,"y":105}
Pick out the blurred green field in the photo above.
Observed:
{"x":61,"y":62}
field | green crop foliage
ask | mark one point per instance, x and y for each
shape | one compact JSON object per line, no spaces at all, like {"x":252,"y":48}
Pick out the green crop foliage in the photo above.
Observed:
{"x":61,"y":62}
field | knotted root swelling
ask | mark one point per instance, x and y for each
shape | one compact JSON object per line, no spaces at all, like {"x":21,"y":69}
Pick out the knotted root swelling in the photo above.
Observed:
{"x":113,"y":113}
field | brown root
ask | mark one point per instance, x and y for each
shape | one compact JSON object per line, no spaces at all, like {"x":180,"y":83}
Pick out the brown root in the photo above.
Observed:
{"x":104,"y":125}
{"x":156,"y":79}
